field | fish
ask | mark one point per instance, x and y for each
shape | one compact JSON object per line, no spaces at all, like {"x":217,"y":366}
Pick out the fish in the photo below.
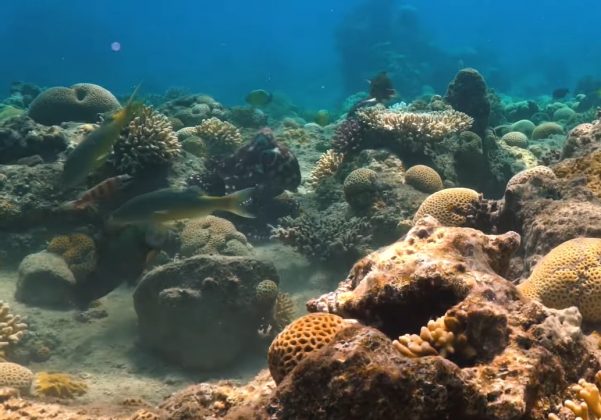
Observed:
{"x":380,"y":91}
{"x":169,"y":204}
{"x":100,"y":192}
{"x":322,"y":117}
{"x":560,"y":93}
{"x":259,"y":97}
{"x":94,"y":149}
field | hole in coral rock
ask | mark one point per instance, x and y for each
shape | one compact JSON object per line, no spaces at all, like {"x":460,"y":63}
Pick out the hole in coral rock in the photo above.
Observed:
{"x":80,"y":94}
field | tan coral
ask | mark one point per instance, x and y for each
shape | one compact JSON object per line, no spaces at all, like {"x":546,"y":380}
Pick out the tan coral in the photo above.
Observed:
{"x":450,"y":207}
{"x":306,"y":334}
{"x":59,"y":385}
{"x":423,"y":178}
{"x":527,"y":174}
{"x":585,"y":402}
{"x":12,"y":329}
{"x":13,"y":375}
{"x":546,"y":129}
{"x":360,"y":188}
{"x":569,"y":275}
{"x":587,"y":166}
{"x":220,"y":137}
{"x":326,"y":166}
{"x":515,"y":138}
{"x":79,"y":252}
{"x":210,"y":235}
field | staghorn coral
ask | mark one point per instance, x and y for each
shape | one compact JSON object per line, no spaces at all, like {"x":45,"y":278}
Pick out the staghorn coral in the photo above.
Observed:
{"x":219,"y":137}
{"x":79,"y":252}
{"x":584,"y":402}
{"x":527,"y":174}
{"x":450,"y":207}
{"x":58,"y":385}
{"x":569,"y":275}
{"x":326,"y":166}
{"x":148,"y":142}
{"x":12,"y":329}
{"x":360,"y":188}
{"x":15,"y":376}
{"x":515,"y":138}
{"x":212,"y":235}
{"x":423,"y":178}
{"x":305,"y":335}
{"x":266,"y":293}
{"x":546,"y":130}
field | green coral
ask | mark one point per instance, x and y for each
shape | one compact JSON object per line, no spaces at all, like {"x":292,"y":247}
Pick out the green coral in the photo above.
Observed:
{"x":546,"y":130}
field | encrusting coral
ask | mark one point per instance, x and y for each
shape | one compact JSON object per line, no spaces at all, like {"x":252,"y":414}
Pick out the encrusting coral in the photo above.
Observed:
{"x":58,"y":385}
{"x":15,"y":376}
{"x":423,"y":178}
{"x":451,"y":207}
{"x":148,"y":142}
{"x":326,"y":166}
{"x":12,"y":329}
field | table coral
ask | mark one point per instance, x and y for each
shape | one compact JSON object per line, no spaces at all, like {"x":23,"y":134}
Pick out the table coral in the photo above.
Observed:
{"x":12,"y":329}
{"x":58,"y":385}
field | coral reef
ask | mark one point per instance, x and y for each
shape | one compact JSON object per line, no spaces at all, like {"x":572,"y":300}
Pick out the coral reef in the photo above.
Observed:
{"x":79,"y":252}
{"x":360,"y":188}
{"x":467,"y":93}
{"x":326,"y":166}
{"x":516,"y":138}
{"x":58,"y":385}
{"x":587,"y":166}
{"x":348,"y":137}
{"x":192,"y":110}
{"x":81,"y":102}
{"x":423,"y":178}
{"x":21,"y":137}
{"x":148,"y":142}
{"x":527,"y":174}
{"x":582,"y":139}
{"x":303,"y":336}
{"x":212,"y":235}
{"x":12,"y":329}
{"x":283,"y":311}
{"x":546,"y":130}
{"x":219,"y":137}
{"x":15,"y":376}
{"x":450,"y":207}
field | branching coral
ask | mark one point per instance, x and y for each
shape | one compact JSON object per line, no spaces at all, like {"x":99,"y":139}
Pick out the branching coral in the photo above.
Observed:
{"x":149,"y":141}
{"x":326,"y":166}
{"x":12,"y":329}
{"x":59,"y":385}
{"x":348,"y":137}
{"x":220,"y":137}
{"x":586,"y":400}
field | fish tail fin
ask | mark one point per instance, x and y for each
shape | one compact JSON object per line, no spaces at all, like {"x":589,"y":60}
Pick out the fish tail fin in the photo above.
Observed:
{"x":133,"y":95}
{"x":239,"y":202}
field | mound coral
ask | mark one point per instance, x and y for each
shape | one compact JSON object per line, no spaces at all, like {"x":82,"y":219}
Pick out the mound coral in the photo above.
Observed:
{"x":58,"y":385}
{"x":546,"y":130}
{"x":267,"y":293}
{"x":12,"y":329}
{"x":516,"y":138}
{"x":148,"y":142}
{"x":305,"y":335}
{"x":569,"y":275}
{"x":81,"y":102}
{"x":326,"y":166}
{"x":15,"y":376}
{"x":360,"y":188}
{"x":564,"y":114}
{"x":219,"y":137}
{"x":587,"y":166}
{"x":527,"y":174}
{"x":212,"y":235}
{"x":523,"y":126}
{"x":451,"y":207}
{"x":79,"y":252}
{"x":423,"y":178}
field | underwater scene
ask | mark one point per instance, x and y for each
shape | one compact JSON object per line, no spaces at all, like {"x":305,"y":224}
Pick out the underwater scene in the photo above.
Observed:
{"x":360,"y":209}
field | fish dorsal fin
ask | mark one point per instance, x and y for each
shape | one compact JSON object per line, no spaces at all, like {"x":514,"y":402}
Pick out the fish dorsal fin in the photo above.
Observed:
{"x":133,"y":95}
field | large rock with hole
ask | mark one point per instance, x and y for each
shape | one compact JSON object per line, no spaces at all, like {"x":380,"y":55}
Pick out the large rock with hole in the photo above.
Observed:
{"x":201,"y":312}
{"x":45,"y":280}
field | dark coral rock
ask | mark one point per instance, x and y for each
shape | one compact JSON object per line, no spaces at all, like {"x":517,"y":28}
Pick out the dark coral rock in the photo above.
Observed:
{"x":467,"y":93}
{"x":22,"y":137}
{"x":348,"y":137}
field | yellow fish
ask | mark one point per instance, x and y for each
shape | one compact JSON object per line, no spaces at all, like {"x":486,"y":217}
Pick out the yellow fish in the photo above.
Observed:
{"x":94,"y":149}
{"x":169,"y":204}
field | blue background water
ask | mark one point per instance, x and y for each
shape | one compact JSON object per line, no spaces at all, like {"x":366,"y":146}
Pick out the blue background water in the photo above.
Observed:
{"x":228,"y":47}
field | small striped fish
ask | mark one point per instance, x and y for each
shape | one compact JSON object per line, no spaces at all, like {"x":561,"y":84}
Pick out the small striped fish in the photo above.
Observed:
{"x":103,"y":191}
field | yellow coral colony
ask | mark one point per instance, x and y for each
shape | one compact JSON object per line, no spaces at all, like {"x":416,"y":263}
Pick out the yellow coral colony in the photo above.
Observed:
{"x":12,"y":329}
{"x":423,"y":178}
{"x":15,"y":376}
{"x":450,"y":207}
{"x":58,"y":385}
{"x":326,"y":166}
{"x":569,"y":275}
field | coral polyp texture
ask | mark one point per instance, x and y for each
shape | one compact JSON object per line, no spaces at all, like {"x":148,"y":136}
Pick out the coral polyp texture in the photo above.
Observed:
{"x":423,"y":178}
{"x":219,"y":137}
{"x":303,"y":336}
{"x":527,"y":174}
{"x":267,"y":293}
{"x":451,"y":207}
{"x":13,"y":375}
{"x":326,"y":166}
{"x":546,"y":130}
{"x":212,"y":235}
{"x":360,"y":188}
{"x":516,"y":138}
{"x":148,"y":142}
{"x":58,"y":385}
{"x":569,"y":275}
{"x":79,"y":252}
{"x":12,"y":329}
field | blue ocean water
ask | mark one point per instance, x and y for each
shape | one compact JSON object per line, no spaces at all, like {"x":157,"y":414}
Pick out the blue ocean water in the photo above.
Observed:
{"x":305,"y":50}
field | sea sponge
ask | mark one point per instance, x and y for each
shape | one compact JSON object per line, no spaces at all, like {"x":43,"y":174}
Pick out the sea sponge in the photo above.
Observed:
{"x":527,"y":174}
{"x":306,"y":334}
{"x":266,"y":293}
{"x":516,"y":138}
{"x":12,"y":328}
{"x":326,"y":166}
{"x":423,"y":178}
{"x":79,"y":252}
{"x":58,"y":385}
{"x":15,"y":376}
{"x":450,"y":207}
{"x":564,"y":114}
{"x":81,"y":102}
{"x":361,"y":188}
{"x":569,"y":275}
{"x":209,"y":235}
{"x":147,"y":142}
{"x":219,"y":137}
{"x":523,"y":126}
{"x":546,"y":129}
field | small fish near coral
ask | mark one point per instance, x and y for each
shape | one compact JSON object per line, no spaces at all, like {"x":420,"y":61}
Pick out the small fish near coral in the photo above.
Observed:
{"x":169,"y":204}
{"x":381,"y":90}
{"x":95,"y":148}
{"x":259,"y":98}
{"x":103,"y":191}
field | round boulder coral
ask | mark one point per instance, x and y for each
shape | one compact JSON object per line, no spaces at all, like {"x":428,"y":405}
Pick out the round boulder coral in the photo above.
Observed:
{"x":219,"y":137}
{"x":423,"y":178}
{"x":523,"y":126}
{"x":450,"y":207}
{"x":212,"y":235}
{"x":516,"y":138}
{"x":81,"y":102}
{"x":569,"y":275}
{"x":267,"y":293}
{"x":546,"y":130}
{"x":306,"y":334}
{"x":15,"y":376}
{"x":527,"y":174}
{"x":360,"y":188}
{"x":563,"y":114}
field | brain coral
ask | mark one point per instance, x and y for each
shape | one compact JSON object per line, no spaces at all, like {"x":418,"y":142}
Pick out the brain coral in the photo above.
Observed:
{"x":563,"y":114}
{"x":210,"y":235}
{"x":450,"y":207}
{"x":80,"y":102}
{"x":527,"y":174}
{"x":148,"y":142}
{"x":546,"y":130}
{"x":516,"y":138}
{"x":220,"y":137}
{"x":59,"y":385}
{"x":306,"y":334}
{"x":266,"y":292}
{"x":423,"y":178}
{"x":16,"y":376}
{"x":523,"y":126}
{"x":360,"y":188}
{"x":569,"y":275}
